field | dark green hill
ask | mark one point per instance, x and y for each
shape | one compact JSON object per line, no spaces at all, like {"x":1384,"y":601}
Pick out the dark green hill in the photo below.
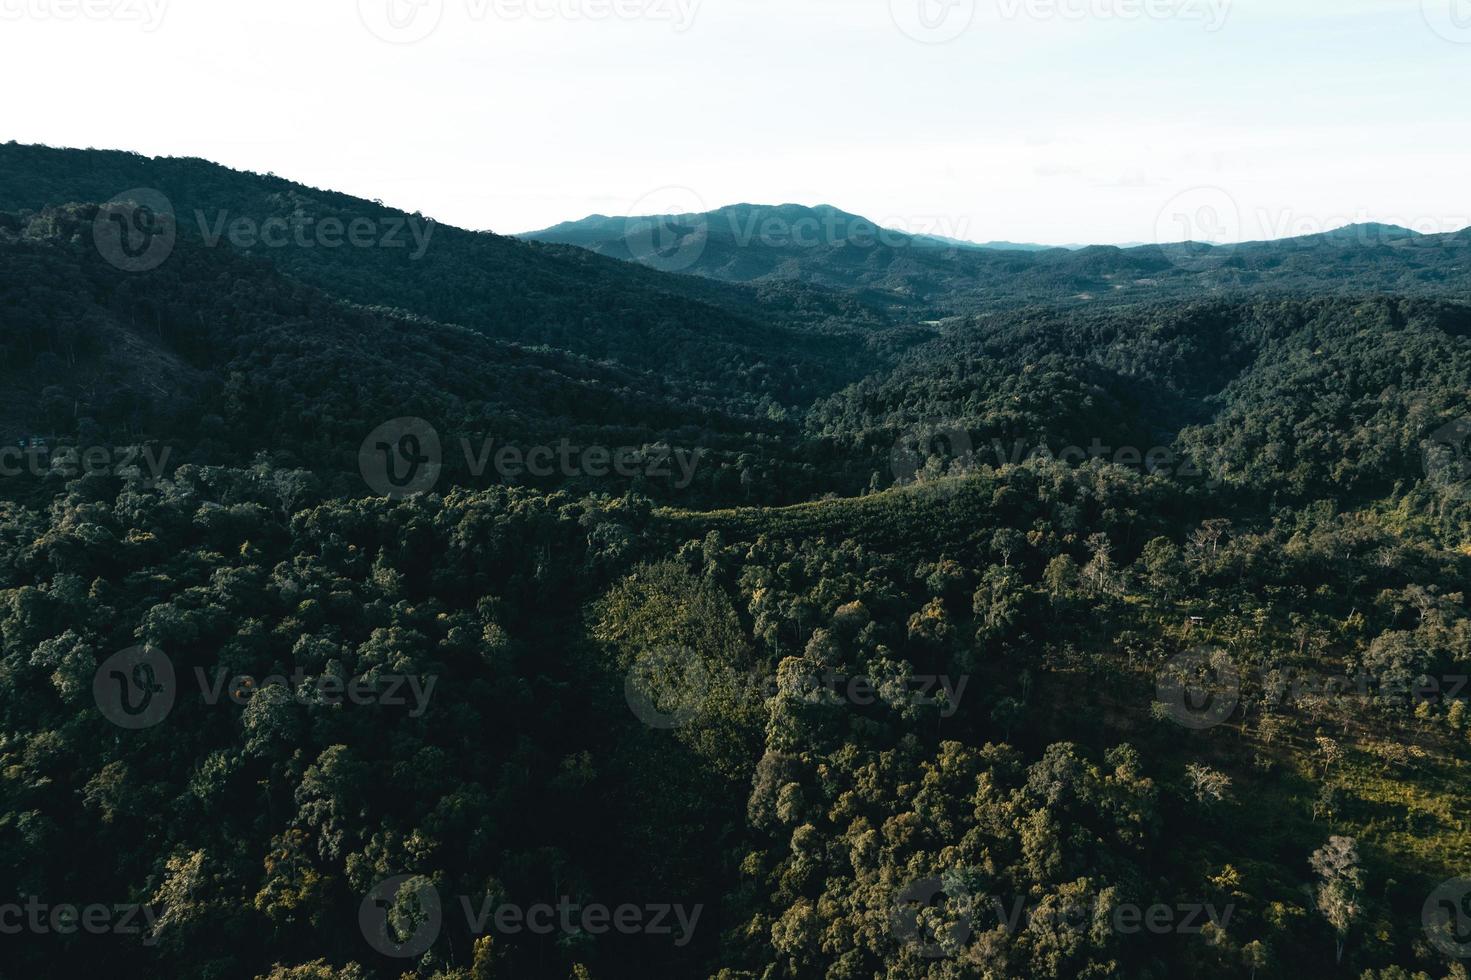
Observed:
{"x":784,"y":344}
{"x":1293,"y":399}
{"x":221,"y":357}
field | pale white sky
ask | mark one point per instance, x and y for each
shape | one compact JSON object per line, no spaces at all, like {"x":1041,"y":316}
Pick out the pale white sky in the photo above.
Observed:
{"x":1036,"y":120}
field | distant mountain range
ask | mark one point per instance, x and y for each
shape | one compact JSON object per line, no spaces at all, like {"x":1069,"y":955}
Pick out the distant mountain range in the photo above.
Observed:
{"x":796,"y":225}
{"x":1364,"y":233}
{"x":931,"y":275}
{"x":773,"y":226}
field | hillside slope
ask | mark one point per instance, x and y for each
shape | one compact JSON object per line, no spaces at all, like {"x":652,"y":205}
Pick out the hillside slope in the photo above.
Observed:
{"x":785,"y":344}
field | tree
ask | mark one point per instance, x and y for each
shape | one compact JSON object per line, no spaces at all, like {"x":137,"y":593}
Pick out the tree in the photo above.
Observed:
{"x":1254,"y":956}
{"x":1339,"y":878}
{"x":1208,"y":785}
{"x":1061,"y":576}
{"x":997,"y":600}
{"x":1330,"y":752}
{"x":1099,"y":573}
{"x":1006,"y":542}
{"x":1162,"y":567}
{"x":1008,"y":713}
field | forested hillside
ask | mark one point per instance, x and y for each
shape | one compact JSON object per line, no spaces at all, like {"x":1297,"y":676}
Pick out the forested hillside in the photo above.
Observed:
{"x":1057,"y":639}
{"x":368,"y":254}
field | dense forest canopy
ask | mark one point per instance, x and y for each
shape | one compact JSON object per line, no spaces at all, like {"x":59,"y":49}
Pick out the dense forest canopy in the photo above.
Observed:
{"x":516,"y":611}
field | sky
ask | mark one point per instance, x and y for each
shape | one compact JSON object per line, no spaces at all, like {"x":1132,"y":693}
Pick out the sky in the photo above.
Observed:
{"x":1051,"y":121}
